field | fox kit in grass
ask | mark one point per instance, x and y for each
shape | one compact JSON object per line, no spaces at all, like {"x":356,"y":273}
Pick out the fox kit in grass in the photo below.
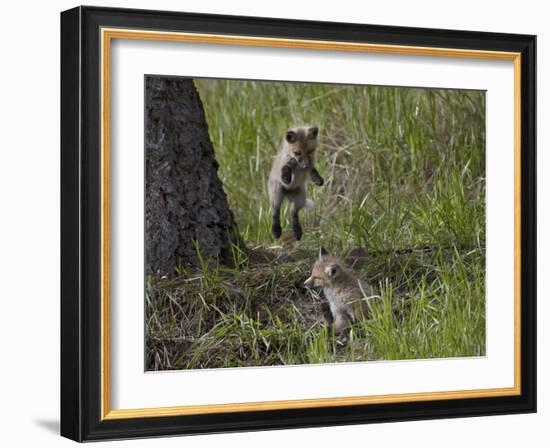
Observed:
{"x":292,"y":166}
{"x":346,"y":294}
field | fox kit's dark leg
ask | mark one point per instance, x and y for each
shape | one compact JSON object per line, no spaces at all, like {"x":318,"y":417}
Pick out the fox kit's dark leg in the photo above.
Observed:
{"x":286,"y":171}
{"x":296,"y":226}
{"x":316,"y":177}
{"x":327,"y":314}
{"x":298,"y":199}
{"x":286,"y":174}
{"x":276,"y":198}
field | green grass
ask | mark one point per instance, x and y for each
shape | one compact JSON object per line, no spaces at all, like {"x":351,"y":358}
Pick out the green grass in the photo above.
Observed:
{"x":404,"y":169}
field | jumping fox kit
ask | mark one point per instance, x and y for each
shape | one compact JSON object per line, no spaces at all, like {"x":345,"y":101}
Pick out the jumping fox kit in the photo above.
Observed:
{"x":294,"y":163}
{"x":346,"y":294}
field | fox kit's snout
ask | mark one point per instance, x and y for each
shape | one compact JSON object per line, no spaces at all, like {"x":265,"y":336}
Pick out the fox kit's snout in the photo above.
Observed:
{"x":346,"y":294}
{"x":292,"y":166}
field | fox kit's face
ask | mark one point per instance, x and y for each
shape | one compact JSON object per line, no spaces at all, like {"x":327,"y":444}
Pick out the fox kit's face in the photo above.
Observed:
{"x":302,"y":143}
{"x":326,"y":271}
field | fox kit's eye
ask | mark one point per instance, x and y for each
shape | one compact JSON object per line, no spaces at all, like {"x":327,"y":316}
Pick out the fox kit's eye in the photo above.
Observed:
{"x":331,"y":270}
{"x":296,"y":153}
{"x":313,"y":132}
{"x":291,"y":137}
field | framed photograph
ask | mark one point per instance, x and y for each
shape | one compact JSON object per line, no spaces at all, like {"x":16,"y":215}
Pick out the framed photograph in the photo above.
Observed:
{"x":274,"y":223}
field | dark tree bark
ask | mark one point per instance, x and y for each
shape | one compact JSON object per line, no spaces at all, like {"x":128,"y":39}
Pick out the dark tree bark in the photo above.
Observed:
{"x":185,"y":205}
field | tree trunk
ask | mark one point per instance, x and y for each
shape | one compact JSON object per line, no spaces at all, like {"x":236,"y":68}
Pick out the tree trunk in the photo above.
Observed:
{"x":185,"y":206}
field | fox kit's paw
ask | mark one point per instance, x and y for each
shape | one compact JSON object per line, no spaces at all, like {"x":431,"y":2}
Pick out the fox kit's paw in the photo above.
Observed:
{"x":286,"y":174}
{"x":297,"y":228}
{"x":316,"y":178}
{"x":292,"y":163}
{"x":276,"y":230}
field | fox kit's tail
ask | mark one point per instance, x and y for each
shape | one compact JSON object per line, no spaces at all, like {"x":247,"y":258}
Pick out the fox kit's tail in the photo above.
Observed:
{"x":309,"y":204}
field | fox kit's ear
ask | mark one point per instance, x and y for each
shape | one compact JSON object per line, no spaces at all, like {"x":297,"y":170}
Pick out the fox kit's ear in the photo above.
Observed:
{"x":322,"y":251}
{"x":332,"y":270}
{"x":291,"y":137}
{"x":313,"y":132}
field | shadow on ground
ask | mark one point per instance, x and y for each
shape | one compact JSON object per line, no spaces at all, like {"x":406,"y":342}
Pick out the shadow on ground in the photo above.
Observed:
{"x":49,"y":425}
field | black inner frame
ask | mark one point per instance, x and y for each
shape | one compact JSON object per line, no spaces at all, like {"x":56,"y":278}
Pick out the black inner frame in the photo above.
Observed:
{"x":81,"y":223}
